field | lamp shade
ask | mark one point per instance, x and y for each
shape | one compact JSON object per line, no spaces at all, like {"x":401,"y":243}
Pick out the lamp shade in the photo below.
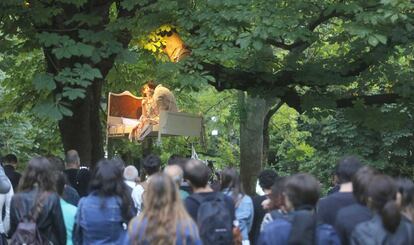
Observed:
{"x":175,"y":47}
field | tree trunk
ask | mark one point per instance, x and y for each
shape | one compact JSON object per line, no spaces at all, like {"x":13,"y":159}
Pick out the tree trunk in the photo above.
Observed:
{"x":252,"y":114}
{"x":83,"y":130}
{"x":266,"y":138}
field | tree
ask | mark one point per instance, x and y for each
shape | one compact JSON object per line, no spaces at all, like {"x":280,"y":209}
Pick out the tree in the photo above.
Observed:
{"x":79,"y":41}
{"x":307,"y":53}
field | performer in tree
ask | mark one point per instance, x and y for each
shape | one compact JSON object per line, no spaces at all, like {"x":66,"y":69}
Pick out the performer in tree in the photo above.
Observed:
{"x":157,"y":98}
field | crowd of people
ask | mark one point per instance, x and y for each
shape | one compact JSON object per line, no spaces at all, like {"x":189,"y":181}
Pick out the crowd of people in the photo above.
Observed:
{"x":187,"y":202}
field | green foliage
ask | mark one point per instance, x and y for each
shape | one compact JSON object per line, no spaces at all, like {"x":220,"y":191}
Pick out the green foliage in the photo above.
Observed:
{"x":27,"y":136}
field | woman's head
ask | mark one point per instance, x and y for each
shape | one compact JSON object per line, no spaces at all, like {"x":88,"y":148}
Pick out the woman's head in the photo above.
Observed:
{"x":38,"y":172}
{"x":163,"y":211}
{"x":361,"y":182}
{"x":107,"y":180}
{"x":276,"y":195}
{"x":230,"y":180}
{"x":301,"y":191}
{"x":148,"y":88}
{"x":161,"y":193}
{"x":405,"y":196}
{"x":382,"y":192}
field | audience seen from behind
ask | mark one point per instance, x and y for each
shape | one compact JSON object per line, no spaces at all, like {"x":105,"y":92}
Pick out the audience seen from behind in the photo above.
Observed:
{"x":164,"y":219}
{"x":350,"y":216}
{"x":177,"y":174}
{"x":266,"y":179}
{"x":388,"y":226}
{"x":180,"y":161}
{"x":213,"y":212}
{"x":70,"y":194}
{"x":299,"y":226}
{"x":276,"y":207}
{"x":152,"y":165}
{"x":68,"y":210}
{"x":78,"y":177}
{"x":231,"y":186}
{"x":131,"y":178}
{"x":103,"y":215}
{"x":37,"y":192}
{"x":369,"y":208}
{"x":329,"y":206}
{"x":10,"y":165}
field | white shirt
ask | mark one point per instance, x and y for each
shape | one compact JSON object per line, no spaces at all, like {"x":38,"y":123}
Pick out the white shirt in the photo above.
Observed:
{"x":136,"y":194}
{"x":5,"y":200}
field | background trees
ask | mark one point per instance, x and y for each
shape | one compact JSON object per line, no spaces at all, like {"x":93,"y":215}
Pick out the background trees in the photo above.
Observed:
{"x":314,"y":56}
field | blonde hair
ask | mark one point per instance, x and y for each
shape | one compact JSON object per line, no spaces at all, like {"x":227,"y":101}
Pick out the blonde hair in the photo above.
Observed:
{"x":163,"y":212}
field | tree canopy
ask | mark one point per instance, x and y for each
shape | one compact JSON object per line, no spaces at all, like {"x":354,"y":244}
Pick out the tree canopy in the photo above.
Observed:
{"x":60,"y":58}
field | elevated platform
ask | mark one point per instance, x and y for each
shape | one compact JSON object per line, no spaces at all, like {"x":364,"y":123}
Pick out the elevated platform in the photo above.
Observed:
{"x":125,"y":109}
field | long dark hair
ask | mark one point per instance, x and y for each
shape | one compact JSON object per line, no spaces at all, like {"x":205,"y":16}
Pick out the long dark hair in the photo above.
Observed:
{"x":107,"y":181}
{"x":276,"y":196}
{"x":382,"y":192}
{"x":38,"y":172}
{"x":230,"y":180}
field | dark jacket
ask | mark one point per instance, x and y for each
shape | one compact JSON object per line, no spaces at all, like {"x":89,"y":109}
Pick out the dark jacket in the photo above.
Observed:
{"x":50,"y":220}
{"x":348,"y":218}
{"x":79,"y":179}
{"x":372,"y":232}
{"x":278,"y":232}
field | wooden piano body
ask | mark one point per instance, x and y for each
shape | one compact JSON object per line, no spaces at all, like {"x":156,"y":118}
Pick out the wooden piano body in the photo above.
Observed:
{"x":124,"y":110}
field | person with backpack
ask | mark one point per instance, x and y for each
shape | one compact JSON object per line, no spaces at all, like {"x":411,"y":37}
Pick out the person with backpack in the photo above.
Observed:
{"x":231,"y":186}
{"x":164,"y":219}
{"x":35,"y":213}
{"x":213,"y":212}
{"x":388,"y":226}
{"x":103,"y":215}
{"x":299,"y":226}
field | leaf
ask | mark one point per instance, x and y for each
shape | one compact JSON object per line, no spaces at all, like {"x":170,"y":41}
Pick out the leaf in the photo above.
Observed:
{"x":47,"y":108}
{"x":73,"y":93}
{"x":127,"y":56}
{"x":44,"y":82}
{"x":381,"y":38}
{"x":129,"y":4}
{"x":257,"y":45}
{"x":394,"y":18}
{"x":65,"y":111}
{"x":85,"y":71}
{"x":49,"y":39}
{"x":62,"y":52}
{"x":373,"y":41}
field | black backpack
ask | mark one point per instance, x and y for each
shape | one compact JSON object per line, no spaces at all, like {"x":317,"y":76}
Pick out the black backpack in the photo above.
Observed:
{"x":214,"y":220}
{"x":27,"y":231}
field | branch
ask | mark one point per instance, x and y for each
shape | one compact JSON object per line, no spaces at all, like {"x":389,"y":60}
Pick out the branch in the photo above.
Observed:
{"x":311,"y":27}
{"x":377,"y":99}
{"x":241,"y":79}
